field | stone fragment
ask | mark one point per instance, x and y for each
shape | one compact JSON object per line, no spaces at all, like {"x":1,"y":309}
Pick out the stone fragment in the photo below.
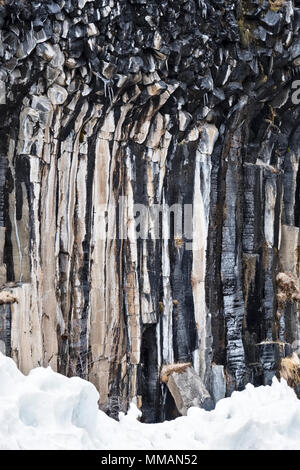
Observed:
{"x":81,"y":3}
{"x":57,"y":94}
{"x":206,"y":84}
{"x":52,"y":7}
{"x":187,"y":389}
{"x":294,"y":49}
{"x":58,"y":58}
{"x":107,"y":69}
{"x":43,"y":106}
{"x":92,"y":30}
{"x":46,"y":51}
{"x":157,"y":40}
{"x":52,"y":74}
{"x":71,"y":63}
{"x":41,"y":36}
{"x":27,"y":46}
{"x":271,"y":19}
{"x":135,"y":64}
{"x":184,"y":120}
{"x":156,"y":88}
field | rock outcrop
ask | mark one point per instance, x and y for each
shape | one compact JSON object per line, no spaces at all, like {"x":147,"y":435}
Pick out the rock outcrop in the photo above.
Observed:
{"x":187,"y":390}
{"x":107,"y":106}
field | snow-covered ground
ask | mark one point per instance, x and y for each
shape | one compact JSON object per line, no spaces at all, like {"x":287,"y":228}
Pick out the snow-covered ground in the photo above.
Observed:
{"x":46,"y":410}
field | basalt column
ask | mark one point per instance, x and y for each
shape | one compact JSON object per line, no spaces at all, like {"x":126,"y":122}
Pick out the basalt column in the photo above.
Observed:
{"x":149,"y":194}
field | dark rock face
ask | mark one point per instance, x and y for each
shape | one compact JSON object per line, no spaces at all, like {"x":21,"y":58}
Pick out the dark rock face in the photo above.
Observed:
{"x":193,"y":103}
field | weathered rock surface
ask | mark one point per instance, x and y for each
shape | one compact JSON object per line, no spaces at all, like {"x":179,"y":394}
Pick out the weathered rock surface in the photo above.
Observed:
{"x":218,"y":383}
{"x":188,"y":390}
{"x":156,"y":102}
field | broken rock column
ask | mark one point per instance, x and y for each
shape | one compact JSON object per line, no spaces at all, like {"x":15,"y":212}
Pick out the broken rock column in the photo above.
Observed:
{"x":187,"y":388}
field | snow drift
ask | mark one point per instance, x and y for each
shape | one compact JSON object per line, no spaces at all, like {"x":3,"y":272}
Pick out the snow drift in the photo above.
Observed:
{"x":46,"y":410}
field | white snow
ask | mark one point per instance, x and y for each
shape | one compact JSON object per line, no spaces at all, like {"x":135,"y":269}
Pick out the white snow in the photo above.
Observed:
{"x":46,"y":410}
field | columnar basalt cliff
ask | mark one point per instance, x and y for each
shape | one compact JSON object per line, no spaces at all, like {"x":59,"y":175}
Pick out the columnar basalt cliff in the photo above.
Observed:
{"x":150,"y":102}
